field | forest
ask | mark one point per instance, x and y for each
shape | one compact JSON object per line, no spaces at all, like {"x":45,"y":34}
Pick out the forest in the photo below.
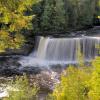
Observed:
{"x":17,"y":17}
{"x":35,"y":22}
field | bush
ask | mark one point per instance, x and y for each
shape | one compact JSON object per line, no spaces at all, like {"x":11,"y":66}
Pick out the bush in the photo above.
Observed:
{"x":79,"y":83}
{"x":94,"y":93}
{"x":73,"y":85}
{"x":23,"y":90}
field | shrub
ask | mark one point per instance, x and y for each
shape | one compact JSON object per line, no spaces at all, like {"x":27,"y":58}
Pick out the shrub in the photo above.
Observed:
{"x":23,"y":90}
{"x":94,"y":93}
{"x":79,"y":83}
{"x":73,"y":85}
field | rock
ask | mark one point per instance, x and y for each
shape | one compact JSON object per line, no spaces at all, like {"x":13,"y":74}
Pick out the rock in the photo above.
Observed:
{"x":4,"y":94}
{"x":46,"y":80}
{"x":30,"y":70}
{"x":58,"y":68}
{"x":10,"y":72}
{"x":5,"y":89}
{"x":8,"y":62}
{"x":9,"y":66}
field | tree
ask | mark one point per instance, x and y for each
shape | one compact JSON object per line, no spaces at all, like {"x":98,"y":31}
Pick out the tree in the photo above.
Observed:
{"x":94,"y":93}
{"x":72,"y":11}
{"x":97,"y":8}
{"x":81,"y":12}
{"x":13,"y":19}
{"x":61,"y":18}
{"x":62,"y":15}
{"x":54,"y":16}
{"x":73,"y":85}
{"x":21,"y":89}
{"x":87,"y":10}
{"x":46,"y":18}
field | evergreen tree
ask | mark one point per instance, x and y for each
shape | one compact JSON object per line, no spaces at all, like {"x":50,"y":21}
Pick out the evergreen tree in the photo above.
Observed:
{"x":54,"y":17}
{"x":47,"y":16}
{"x":80,"y":12}
{"x":87,"y":10}
{"x":60,"y":18}
{"x":72,"y":13}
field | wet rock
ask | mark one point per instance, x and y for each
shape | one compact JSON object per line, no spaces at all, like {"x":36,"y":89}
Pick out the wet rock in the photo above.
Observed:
{"x":13,"y":71}
{"x":9,"y":66}
{"x":30,"y":70}
{"x":46,"y":80}
{"x":58,"y":68}
{"x":10,"y":72}
{"x":9,"y":61}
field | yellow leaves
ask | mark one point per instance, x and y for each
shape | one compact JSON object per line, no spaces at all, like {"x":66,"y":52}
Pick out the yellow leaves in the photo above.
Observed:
{"x":14,"y":20}
{"x":98,"y":17}
{"x":19,"y":40}
{"x":80,"y":83}
{"x":94,"y":83}
{"x":96,"y":64}
{"x":12,"y":42}
{"x":2,"y":48}
{"x":21,"y":8}
{"x":3,"y":34}
{"x":20,"y":22}
{"x":20,"y":89}
{"x":15,"y":17}
{"x":73,"y":85}
{"x":4,"y":38}
{"x":5,"y":18}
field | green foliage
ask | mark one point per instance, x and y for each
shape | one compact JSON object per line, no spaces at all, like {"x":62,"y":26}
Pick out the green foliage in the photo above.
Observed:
{"x":86,"y":12}
{"x":50,"y":15}
{"x":60,"y":18}
{"x":7,"y":41}
{"x":53,"y":17}
{"x":94,"y":93}
{"x":63,"y":15}
{"x":80,"y":12}
{"x":23,"y":90}
{"x":13,"y":19}
{"x":73,"y":85}
{"x":46,"y":19}
{"x":79,"y":83}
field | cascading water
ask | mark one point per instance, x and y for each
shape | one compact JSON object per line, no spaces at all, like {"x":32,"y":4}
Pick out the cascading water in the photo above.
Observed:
{"x":62,"y":51}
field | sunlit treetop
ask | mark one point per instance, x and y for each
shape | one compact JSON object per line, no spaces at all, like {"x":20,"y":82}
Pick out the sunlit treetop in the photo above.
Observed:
{"x":14,"y":18}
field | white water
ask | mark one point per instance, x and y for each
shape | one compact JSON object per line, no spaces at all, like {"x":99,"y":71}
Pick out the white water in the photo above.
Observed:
{"x":61,"y":51}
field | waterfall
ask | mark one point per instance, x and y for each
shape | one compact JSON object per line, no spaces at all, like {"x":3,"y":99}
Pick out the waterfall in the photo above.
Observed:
{"x":62,"y":51}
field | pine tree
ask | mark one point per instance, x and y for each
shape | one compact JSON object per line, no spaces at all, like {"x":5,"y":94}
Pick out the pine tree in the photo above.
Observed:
{"x":54,"y":17}
{"x":60,"y":18}
{"x":87,"y":10}
{"x":46,"y":18}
